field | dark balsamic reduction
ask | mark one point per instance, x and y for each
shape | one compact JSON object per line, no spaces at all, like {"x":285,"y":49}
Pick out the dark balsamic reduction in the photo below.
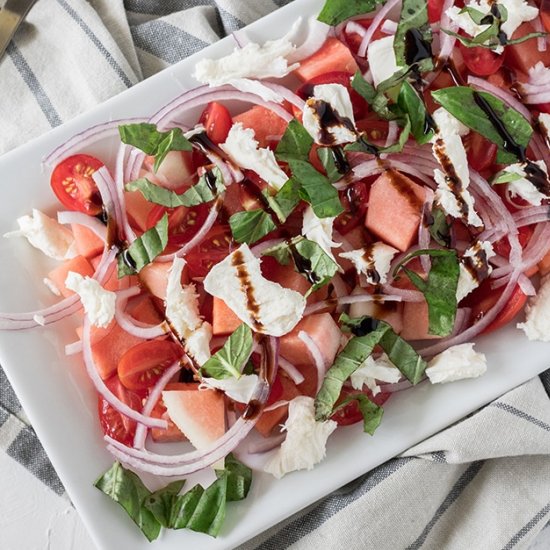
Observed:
{"x":248,"y":289}
{"x":128,"y":260}
{"x":205,"y":144}
{"x":366,"y":326}
{"x":478,"y":265}
{"x":253,"y":409}
{"x":369,"y":148}
{"x":303,"y":265}
{"x":340,"y":160}
{"x":400,"y":184}
{"x":536,"y":175}
{"x":328,"y":118}
{"x":372,"y":275}
{"x":416,"y":48}
{"x":210,"y":180}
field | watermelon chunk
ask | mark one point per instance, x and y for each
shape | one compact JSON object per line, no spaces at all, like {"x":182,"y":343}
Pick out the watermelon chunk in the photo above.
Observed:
{"x":138,"y":209}
{"x":265,"y":123}
{"x":88,"y":244}
{"x":391,"y":312}
{"x":155,"y":278}
{"x":416,"y":322}
{"x":224,"y":321}
{"x":78,"y":264}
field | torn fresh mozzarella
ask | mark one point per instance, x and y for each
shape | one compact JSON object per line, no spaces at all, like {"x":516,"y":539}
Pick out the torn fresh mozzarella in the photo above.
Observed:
{"x":243,"y":150}
{"x":238,"y":389}
{"x":381,"y":58}
{"x":539,"y":77}
{"x":182,"y":311}
{"x":381,"y":369}
{"x":374,"y":261}
{"x":319,"y":230}
{"x":251,"y":61}
{"x":537,"y":314}
{"x":328,"y":115}
{"x":46,"y":234}
{"x":523,"y":186}
{"x":257,"y":88}
{"x":99,"y":304}
{"x":454,"y":177}
{"x":306,"y":439}
{"x":265,"y":306}
{"x":544,"y":123}
{"x":456,"y":363}
{"x":474,"y":268}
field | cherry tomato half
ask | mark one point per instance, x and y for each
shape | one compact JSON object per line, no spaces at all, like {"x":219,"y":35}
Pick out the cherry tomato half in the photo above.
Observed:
{"x":354,"y":199}
{"x":214,"y":248}
{"x":217,"y":121}
{"x":481,"y":152}
{"x":481,"y":61}
{"x":73,"y":185}
{"x":350,"y":413}
{"x":142,"y":365}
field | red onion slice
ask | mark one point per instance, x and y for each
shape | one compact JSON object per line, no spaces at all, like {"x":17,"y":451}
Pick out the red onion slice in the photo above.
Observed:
{"x":293,"y":373}
{"x":130,"y":325}
{"x":376,"y":22}
{"x":67,"y":217}
{"x":267,"y":444}
{"x":424,"y":236}
{"x":354,"y":299}
{"x":315,"y":36}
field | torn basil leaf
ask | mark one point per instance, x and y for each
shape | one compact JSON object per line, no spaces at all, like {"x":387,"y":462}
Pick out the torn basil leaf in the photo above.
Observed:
{"x":410,"y":102}
{"x":377,"y":100}
{"x":371,"y":412}
{"x":334,"y":162}
{"x":440,"y":230}
{"x":295,"y":144}
{"x":439,"y":289}
{"x":144,"y":249}
{"x":239,"y":478}
{"x":335,"y":12}
{"x":209,"y":186}
{"x":250,"y":226}
{"x":309,"y":259}
{"x":148,"y":139}
{"x":285,"y":200}
{"x":506,"y":177}
{"x":230,"y":359}
{"x":363,"y":145}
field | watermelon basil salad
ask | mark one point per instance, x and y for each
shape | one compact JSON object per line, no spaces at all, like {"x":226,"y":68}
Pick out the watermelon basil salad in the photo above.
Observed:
{"x":323,"y":222}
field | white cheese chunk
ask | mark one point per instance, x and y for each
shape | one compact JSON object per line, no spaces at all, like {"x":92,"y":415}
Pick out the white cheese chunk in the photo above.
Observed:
{"x":46,"y":234}
{"x":523,"y":187}
{"x":537,"y":314}
{"x":448,"y":123}
{"x":99,"y":304}
{"x":381,"y":58}
{"x":374,"y":262}
{"x":243,"y":150}
{"x":456,"y":363}
{"x":544,"y":122}
{"x":338,"y":98}
{"x":474,"y":259}
{"x":258,"y":88}
{"x":251,"y":61}
{"x":265,"y":306}
{"x":319,"y":230}
{"x":381,"y":369}
{"x":238,"y":389}
{"x":306,"y":439}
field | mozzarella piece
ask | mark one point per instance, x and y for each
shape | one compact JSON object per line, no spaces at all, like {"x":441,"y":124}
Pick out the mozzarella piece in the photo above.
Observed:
{"x":477,"y":257}
{"x":238,"y":389}
{"x":374,"y":262}
{"x":46,"y":234}
{"x":319,"y":230}
{"x":99,"y":304}
{"x":449,"y":123}
{"x":381,"y":58}
{"x":523,"y":187}
{"x":251,"y":61}
{"x":265,"y":306}
{"x":338,"y":98}
{"x":456,"y":363}
{"x":243,"y":150}
{"x":537,"y":312}
{"x":381,"y":369}
{"x":306,"y":439}
{"x":544,"y":122}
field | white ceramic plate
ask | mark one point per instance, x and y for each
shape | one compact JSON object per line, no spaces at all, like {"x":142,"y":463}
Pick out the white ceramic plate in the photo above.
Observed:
{"x":61,"y":403}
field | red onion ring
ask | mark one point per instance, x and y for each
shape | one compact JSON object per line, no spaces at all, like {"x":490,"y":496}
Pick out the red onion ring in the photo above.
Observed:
{"x":294,"y":374}
{"x":67,"y":217}
{"x":376,"y":22}
{"x":129,"y":324}
{"x":315,"y":36}
{"x":316,"y":355}
{"x":424,"y":236}
{"x":267,"y":444}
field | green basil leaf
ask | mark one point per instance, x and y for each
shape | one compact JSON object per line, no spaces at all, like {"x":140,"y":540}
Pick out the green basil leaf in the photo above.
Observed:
{"x":144,"y":249}
{"x":295,"y":144}
{"x":371,"y":412}
{"x":364,"y":146}
{"x":239,"y":478}
{"x":327,"y":157}
{"x":411,"y":103}
{"x":285,"y":200}
{"x":335,"y":12}
{"x":506,"y":177}
{"x":148,"y":139}
{"x":461,"y":103}
{"x":511,"y":41}
{"x":414,"y":26}
{"x":250,"y":226}
{"x":183,"y":507}
{"x":440,"y":230}
{"x":377,"y":100}
{"x":125,"y":488}
{"x":476,"y":15}
{"x":161,"y":502}
{"x":209,"y":186}
{"x":316,"y":189}
{"x":209,"y":513}
{"x":230,"y":359}
{"x":309,"y":259}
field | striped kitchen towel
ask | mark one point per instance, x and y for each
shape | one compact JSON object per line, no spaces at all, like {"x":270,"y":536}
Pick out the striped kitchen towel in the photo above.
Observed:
{"x":484,"y":483}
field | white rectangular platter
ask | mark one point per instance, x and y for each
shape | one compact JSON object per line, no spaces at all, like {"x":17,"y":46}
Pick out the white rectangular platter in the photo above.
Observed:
{"x":61,"y":403}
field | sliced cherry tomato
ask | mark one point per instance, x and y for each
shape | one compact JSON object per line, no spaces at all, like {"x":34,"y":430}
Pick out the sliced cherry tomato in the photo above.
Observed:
{"x":354,"y":199}
{"x":350,"y":413}
{"x":502,"y":247}
{"x":183,"y":222}
{"x":435,"y":7}
{"x":113,"y":423}
{"x":214,"y":248}
{"x":354,"y":39}
{"x":377,"y":130}
{"x":217,"y":121}
{"x":276,"y":391}
{"x":480,"y":151}
{"x":142,"y":365}
{"x":481,"y":61}
{"x":73,"y":185}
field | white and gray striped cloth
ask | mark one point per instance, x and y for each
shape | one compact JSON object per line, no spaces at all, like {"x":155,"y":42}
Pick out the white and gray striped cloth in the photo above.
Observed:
{"x":481,"y":484}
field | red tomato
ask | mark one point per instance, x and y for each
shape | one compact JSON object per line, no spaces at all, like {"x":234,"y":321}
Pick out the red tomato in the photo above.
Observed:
{"x":481,"y":61}
{"x":354,"y":39}
{"x":350,"y":413}
{"x":113,"y":423}
{"x":214,"y":248}
{"x":480,"y":151}
{"x":435,"y":8}
{"x":73,"y":185}
{"x":502,"y":247}
{"x":217,"y":121}
{"x":142,"y":365}
{"x":525,"y":55}
{"x":354,"y":199}
{"x":545,"y":14}
{"x":183,"y":222}
{"x":276,"y":391}
{"x":377,"y":130}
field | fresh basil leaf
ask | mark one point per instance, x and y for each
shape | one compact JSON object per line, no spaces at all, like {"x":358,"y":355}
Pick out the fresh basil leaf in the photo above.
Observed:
{"x":377,"y":100}
{"x":506,"y":177}
{"x":250,"y":226}
{"x":335,"y":12}
{"x":326,"y":156}
{"x":125,"y":488}
{"x":414,"y":33}
{"x":285,"y":200}
{"x":295,"y":144}
{"x":440,"y":230}
{"x":371,"y":412}
{"x":230,"y":359}
{"x":144,"y":249}
{"x":460,"y":101}
{"x":476,"y":15}
{"x":209,"y":186}
{"x":309,"y":259}
{"x":316,"y":189}
{"x":209,"y":513}
{"x":161,"y":502}
{"x":421,"y":122}
{"x":183,"y":506}
{"x":364,"y":146}
{"x":439,"y":289}
{"x":239,"y":478}
{"x":148,"y":139}
{"x":524,"y":38}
